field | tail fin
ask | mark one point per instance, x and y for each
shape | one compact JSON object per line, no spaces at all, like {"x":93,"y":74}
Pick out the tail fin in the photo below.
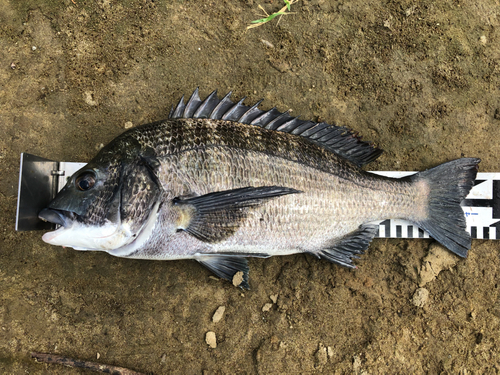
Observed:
{"x":449,"y":184}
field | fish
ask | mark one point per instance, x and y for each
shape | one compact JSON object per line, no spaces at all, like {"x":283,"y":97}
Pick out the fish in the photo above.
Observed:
{"x":220,"y":181}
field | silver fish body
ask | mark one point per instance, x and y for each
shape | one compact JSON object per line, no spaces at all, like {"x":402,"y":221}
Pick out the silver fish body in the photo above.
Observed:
{"x":218,"y":182}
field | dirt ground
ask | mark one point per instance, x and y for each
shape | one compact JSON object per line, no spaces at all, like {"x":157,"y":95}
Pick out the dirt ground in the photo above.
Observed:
{"x":420,"y":79}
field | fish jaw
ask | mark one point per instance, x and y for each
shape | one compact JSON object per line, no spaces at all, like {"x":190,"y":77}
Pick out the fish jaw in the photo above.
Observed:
{"x":85,"y":237}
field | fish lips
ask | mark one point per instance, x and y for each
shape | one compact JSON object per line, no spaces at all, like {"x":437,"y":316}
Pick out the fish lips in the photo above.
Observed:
{"x":58,"y":217}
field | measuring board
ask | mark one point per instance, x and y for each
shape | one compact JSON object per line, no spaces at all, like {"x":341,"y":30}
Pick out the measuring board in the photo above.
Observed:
{"x":40,"y":180}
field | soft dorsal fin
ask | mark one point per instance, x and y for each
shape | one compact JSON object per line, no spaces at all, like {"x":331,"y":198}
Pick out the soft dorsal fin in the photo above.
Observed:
{"x":338,"y":139}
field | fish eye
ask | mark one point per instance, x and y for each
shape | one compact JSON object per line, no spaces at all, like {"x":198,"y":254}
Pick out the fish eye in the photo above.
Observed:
{"x":85,"y":181}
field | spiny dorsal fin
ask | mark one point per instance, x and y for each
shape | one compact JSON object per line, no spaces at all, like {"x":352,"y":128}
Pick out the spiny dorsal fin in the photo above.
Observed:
{"x":337,"y":139}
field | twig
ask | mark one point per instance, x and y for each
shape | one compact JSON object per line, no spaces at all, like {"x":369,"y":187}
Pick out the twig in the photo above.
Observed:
{"x":70,"y":362}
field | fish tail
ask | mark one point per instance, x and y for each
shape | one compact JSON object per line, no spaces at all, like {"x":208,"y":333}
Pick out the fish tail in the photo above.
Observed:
{"x":447,"y":185}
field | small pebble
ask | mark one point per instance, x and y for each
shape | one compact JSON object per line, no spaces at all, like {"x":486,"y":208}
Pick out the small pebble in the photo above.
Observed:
{"x":33,"y":48}
{"x":128,"y":125}
{"x":98,"y":356}
{"x":274,"y":298}
{"x":88,"y":97}
{"x":238,"y":278}
{"x":321,"y":356}
{"x":218,"y":314}
{"x":356,"y":363}
{"x":267,"y":43}
{"x":211,"y":340}
{"x":267,"y":307}
{"x":329,"y":351}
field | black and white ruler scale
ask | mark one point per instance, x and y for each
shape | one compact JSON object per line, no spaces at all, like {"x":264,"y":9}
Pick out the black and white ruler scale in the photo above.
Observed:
{"x":40,"y":180}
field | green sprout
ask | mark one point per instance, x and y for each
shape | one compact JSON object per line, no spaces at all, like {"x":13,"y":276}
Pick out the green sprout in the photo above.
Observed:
{"x":282,"y":12}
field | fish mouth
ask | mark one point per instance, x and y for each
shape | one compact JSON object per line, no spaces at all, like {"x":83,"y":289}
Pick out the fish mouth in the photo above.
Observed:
{"x":81,"y":236}
{"x":58,"y":217}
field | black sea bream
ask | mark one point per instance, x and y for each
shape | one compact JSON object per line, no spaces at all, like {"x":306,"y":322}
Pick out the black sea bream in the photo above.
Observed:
{"x":218,"y":182}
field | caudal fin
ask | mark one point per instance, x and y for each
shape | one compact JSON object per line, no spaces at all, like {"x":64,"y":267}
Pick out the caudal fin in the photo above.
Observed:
{"x":448,"y":184}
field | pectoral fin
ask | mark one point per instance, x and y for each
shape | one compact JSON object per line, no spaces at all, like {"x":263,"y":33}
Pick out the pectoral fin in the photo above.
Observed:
{"x":216,"y":216}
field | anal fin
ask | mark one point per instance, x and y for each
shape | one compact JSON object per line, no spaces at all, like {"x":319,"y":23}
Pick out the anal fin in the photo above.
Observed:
{"x":350,"y":246}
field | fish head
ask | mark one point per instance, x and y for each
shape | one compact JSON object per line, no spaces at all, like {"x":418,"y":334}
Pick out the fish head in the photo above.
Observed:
{"x":107,"y":203}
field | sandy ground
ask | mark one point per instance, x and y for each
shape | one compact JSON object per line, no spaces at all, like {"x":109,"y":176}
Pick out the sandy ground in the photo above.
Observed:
{"x":421,"y":79}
